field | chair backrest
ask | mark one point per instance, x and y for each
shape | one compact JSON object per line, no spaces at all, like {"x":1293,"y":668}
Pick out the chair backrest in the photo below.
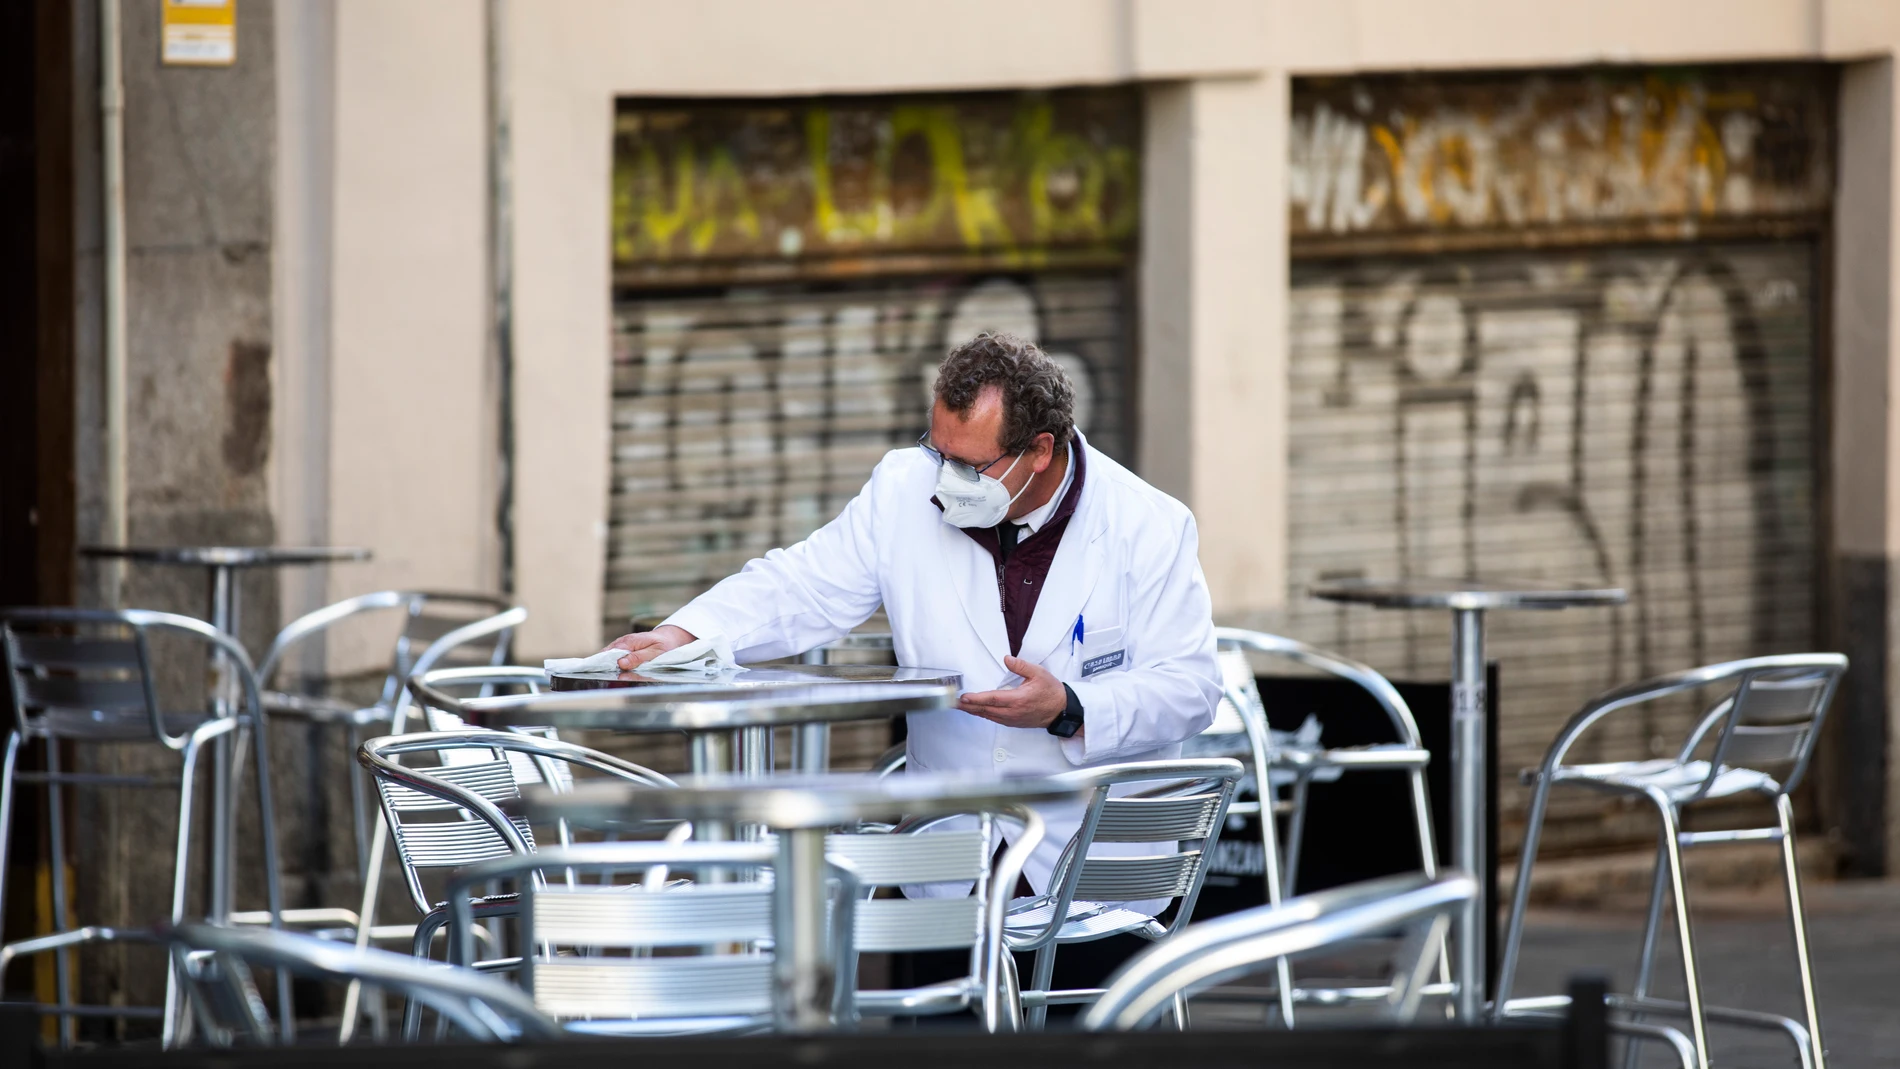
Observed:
{"x":99,"y":664}
{"x":588,"y":945}
{"x":1768,"y":717}
{"x":1253,"y":940}
{"x":216,"y":965}
{"x":483,"y":681}
{"x":901,"y":925}
{"x":449,"y":816}
{"x":1184,"y":804}
{"x":427,"y":617}
{"x":1240,"y":693}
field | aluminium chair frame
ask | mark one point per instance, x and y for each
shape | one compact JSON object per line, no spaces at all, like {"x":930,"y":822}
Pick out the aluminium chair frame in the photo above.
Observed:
{"x":1224,"y":948}
{"x":1824,"y":670}
{"x":1172,"y":779}
{"x":1280,"y":870}
{"x":484,"y":1008}
{"x":248,"y":714}
{"x":499,"y":624}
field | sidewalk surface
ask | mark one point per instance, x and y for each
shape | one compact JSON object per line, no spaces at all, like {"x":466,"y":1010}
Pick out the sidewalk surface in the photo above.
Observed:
{"x":1747,"y":961}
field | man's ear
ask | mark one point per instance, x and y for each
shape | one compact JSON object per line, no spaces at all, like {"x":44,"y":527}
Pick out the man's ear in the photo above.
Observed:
{"x":1045,"y":450}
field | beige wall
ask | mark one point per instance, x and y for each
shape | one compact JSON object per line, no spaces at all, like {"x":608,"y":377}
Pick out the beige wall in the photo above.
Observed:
{"x":410,"y":470}
{"x":411,"y":440}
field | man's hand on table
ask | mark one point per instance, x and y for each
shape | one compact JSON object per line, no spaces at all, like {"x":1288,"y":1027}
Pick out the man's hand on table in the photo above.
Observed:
{"x":647,"y":645}
{"x":1033,"y":703}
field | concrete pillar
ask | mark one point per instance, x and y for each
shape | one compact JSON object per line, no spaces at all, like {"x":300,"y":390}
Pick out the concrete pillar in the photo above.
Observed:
{"x":1862,"y":794}
{"x":1213,"y":313}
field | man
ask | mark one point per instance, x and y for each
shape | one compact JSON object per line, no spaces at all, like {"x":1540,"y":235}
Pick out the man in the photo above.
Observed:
{"x":1065,"y":590}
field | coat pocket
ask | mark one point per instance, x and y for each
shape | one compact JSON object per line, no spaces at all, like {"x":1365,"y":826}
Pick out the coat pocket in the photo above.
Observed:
{"x":1102,"y":651}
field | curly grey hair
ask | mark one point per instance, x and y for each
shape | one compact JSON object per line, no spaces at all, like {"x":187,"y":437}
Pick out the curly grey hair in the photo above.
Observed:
{"x":1037,"y":395}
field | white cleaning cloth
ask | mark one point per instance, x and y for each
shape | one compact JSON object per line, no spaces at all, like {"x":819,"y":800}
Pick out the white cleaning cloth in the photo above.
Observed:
{"x":706,"y":656}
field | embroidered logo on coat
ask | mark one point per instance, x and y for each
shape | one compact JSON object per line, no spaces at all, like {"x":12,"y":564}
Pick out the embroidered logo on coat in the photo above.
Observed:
{"x":1103,"y":663}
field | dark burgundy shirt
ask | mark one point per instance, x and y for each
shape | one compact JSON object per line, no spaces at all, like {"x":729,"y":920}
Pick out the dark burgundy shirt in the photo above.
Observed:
{"x":1020,"y":572}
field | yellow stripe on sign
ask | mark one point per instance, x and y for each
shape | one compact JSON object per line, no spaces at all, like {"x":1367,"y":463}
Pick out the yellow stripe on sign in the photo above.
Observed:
{"x":198,"y":33}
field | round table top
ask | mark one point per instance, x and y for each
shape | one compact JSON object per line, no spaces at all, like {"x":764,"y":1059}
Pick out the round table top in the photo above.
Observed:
{"x":704,"y":707}
{"x":229,"y":556}
{"x":1430,"y":593}
{"x":775,"y":675}
{"x":811,"y":801}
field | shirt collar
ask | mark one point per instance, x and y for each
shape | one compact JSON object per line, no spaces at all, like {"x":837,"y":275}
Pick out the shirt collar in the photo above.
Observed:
{"x":1047,"y":510}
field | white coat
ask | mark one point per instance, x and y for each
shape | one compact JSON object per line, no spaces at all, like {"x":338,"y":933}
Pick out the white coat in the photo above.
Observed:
{"x":1127,"y":566}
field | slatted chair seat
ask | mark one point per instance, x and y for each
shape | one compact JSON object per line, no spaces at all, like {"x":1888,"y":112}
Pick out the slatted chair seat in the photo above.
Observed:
{"x":108,"y":725}
{"x":1681,"y":781}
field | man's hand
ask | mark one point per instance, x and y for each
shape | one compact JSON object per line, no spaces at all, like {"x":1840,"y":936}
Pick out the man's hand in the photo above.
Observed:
{"x":1033,"y":703}
{"x":647,"y":645}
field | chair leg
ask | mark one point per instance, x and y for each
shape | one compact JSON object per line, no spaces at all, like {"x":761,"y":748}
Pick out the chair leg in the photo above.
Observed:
{"x":273,"y":875}
{"x":1646,"y":964}
{"x":1791,"y":871}
{"x":1521,"y":896}
{"x":1039,"y":980}
{"x":359,"y":805}
{"x":1295,"y":836}
{"x":1180,"y":1012}
{"x":1428,"y":860}
{"x":181,"y":884}
{"x":1270,"y":874}
{"x":7,"y":767}
{"x":1691,"y":977}
{"x":56,"y":827}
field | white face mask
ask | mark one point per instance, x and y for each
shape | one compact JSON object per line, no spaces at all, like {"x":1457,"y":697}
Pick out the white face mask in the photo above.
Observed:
{"x":984,"y":503}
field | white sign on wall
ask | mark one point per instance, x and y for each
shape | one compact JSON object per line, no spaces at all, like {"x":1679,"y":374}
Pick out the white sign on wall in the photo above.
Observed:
{"x":198,"y":33}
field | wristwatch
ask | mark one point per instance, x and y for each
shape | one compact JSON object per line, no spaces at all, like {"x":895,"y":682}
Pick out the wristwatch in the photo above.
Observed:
{"x":1069,"y":720}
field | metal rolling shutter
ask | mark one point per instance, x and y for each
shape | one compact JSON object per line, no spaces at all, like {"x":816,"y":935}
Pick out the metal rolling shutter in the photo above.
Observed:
{"x":1632,"y":416}
{"x":746,"y":418}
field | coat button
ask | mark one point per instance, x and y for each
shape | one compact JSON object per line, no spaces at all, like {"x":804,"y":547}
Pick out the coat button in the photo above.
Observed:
{"x":1001,"y":755}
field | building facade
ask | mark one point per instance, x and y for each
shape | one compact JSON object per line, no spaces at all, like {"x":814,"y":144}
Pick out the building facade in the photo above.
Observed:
{"x":1445,"y":286}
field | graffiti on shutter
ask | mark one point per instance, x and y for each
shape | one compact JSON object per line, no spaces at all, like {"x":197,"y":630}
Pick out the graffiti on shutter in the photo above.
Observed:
{"x":1630,"y":417}
{"x":1403,"y":154}
{"x":746,"y":419}
{"x":840,"y":186}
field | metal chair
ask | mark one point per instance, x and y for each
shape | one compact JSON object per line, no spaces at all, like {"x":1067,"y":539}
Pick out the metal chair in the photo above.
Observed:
{"x":1185,"y":801}
{"x":1294,"y":761}
{"x":438,"y":630}
{"x":85,"y":677}
{"x":1769,"y":714}
{"x":588,"y":950}
{"x":216,"y":963}
{"x":914,"y":854}
{"x":468,"y":794}
{"x":1253,"y":940}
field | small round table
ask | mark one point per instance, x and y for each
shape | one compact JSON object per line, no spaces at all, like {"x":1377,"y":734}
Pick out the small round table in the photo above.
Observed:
{"x":1468,"y":599}
{"x":712,"y":714}
{"x":221,"y":564}
{"x":801,"y":809}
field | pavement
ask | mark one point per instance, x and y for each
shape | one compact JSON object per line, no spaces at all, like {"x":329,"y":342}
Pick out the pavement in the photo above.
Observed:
{"x":1746,"y":957}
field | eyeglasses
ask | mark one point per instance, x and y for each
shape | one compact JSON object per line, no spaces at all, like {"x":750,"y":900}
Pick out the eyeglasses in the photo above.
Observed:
{"x":968,"y":473}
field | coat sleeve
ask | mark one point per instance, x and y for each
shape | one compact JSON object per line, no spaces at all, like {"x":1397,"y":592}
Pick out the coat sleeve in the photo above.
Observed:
{"x":1170,"y":692}
{"x":802,"y":596}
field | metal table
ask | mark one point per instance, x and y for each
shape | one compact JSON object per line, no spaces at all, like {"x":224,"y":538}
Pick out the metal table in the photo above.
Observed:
{"x":729,"y":725}
{"x":801,"y":809}
{"x":1468,"y":599}
{"x":221,"y":564}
